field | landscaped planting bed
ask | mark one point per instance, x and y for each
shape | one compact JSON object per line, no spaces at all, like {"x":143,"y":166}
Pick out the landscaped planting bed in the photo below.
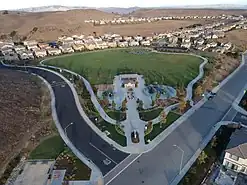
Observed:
{"x":158,"y":128}
{"x":147,"y":115}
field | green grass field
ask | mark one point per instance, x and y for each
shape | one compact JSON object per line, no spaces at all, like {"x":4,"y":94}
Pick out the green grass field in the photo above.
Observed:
{"x":100,"y":67}
{"x":48,"y":149}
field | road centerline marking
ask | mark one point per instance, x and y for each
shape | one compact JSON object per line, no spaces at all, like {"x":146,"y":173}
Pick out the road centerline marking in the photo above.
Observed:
{"x":103,"y":153}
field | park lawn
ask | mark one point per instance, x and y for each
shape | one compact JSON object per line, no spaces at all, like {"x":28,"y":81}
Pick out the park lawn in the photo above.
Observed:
{"x":171,"y":117}
{"x":100,"y":67}
{"x":148,"y":115}
{"x":48,"y":149}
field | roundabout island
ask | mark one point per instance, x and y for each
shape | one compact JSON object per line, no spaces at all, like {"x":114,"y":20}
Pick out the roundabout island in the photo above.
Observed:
{"x":131,"y":95}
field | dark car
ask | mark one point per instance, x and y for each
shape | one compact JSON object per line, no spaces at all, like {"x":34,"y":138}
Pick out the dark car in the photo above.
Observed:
{"x":135,"y":137}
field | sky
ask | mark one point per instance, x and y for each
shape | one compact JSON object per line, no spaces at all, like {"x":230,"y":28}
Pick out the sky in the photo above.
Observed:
{"x":17,"y":4}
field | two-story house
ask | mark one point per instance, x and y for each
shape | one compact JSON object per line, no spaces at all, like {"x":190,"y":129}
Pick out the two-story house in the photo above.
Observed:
{"x":235,"y":158}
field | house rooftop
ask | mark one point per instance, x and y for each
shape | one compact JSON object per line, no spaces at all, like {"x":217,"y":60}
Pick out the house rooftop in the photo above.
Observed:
{"x":238,"y":144}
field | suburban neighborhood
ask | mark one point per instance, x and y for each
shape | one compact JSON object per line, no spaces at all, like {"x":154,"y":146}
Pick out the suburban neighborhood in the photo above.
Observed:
{"x":165,"y":108}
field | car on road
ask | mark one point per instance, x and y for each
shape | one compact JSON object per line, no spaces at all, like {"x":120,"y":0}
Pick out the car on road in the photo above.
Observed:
{"x":135,"y":137}
{"x":209,"y":95}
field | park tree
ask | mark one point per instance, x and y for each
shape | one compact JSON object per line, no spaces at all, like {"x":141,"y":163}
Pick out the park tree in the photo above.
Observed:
{"x":182,"y":104}
{"x":198,"y":90}
{"x":207,"y":82}
{"x":157,"y":95}
{"x":181,"y":92}
{"x":213,"y":142}
{"x":202,"y":158}
{"x":140,"y":105}
{"x":113,"y":104}
{"x":193,"y":170}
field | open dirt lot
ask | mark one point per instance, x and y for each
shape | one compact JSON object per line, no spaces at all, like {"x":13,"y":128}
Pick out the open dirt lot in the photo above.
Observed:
{"x":48,"y":26}
{"x":237,"y":37}
{"x":24,"y":110}
{"x":184,"y":12}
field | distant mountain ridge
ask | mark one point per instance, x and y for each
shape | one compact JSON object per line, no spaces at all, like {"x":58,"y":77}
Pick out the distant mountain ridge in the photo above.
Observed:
{"x":120,"y":10}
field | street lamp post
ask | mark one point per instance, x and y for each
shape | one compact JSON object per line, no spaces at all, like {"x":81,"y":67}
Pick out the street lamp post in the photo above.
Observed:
{"x":67,"y":127}
{"x":182,"y":158}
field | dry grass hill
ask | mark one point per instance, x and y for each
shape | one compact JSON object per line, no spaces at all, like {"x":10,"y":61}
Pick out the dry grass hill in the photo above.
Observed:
{"x":46,"y":26}
{"x":50,"y":24}
{"x":184,"y":12}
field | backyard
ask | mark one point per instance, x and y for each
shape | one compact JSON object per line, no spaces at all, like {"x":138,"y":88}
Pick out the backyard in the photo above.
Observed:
{"x":100,"y":67}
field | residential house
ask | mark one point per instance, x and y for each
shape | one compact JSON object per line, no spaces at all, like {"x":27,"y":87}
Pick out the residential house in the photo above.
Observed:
{"x":32,"y":47}
{"x":54,"y":51}
{"x":78,"y":47}
{"x":6,"y":46}
{"x":127,"y":38}
{"x":30,"y":42}
{"x":149,"y":38}
{"x":20,"y":48}
{"x":89,"y":44}
{"x":76,"y":37}
{"x":208,"y":36}
{"x":101,"y":44}
{"x":235,"y":158}
{"x":228,"y":45}
{"x":186,"y":40}
{"x":133,"y":43}
{"x":145,"y":43}
{"x":40,"y":53}
{"x":67,"y":42}
{"x":43,"y":45}
{"x":78,"y":41}
{"x":122,"y":44}
{"x":26,"y":55}
{"x":138,"y":38}
{"x":66,"y":49}
{"x":199,"y":42}
{"x":219,"y":50}
{"x":186,"y":45}
{"x":112,"y":44}
{"x":11,"y":57}
{"x":212,"y":44}
{"x":117,"y":37}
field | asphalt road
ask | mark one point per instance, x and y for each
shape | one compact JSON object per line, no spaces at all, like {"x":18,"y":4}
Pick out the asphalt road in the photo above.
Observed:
{"x":81,"y":135}
{"x":161,"y":165}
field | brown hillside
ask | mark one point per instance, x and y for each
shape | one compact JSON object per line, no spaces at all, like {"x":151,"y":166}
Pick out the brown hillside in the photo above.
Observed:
{"x":183,"y":12}
{"x":50,"y":24}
